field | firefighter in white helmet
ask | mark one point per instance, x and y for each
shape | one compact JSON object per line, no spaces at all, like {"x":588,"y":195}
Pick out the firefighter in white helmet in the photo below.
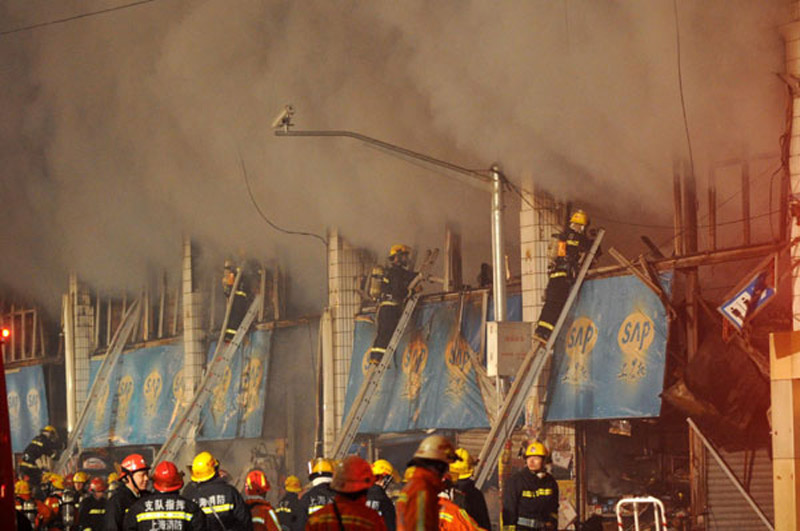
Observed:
{"x":530,"y":499}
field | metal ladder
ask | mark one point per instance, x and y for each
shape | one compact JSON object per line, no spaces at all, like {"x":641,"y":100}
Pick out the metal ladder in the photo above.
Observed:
{"x":528,"y":373}
{"x":189,"y":420}
{"x":115,"y":348}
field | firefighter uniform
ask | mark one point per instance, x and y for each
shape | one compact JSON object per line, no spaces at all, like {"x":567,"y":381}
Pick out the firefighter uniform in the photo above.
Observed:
{"x":287,"y":510}
{"x":262,"y":514}
{"x":92,"y":514}
{"x":343,"y":513}
{"x":571,"y":245}
{"x":312,"y":501}
{"x":378,"y":500}
{"x":165,"y":511}
{"x":454,"y":518}
{"x":223,"y":505}
{"x":241,"y":298}
{"x":43,"y":445}
{"x":418,"y":504}
{"x":530,"y":501}
{"x":473,"y":502}
{"x":119,"y":503}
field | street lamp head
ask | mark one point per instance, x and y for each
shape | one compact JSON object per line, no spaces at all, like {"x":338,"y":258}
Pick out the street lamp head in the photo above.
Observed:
{"x":284,"y":119}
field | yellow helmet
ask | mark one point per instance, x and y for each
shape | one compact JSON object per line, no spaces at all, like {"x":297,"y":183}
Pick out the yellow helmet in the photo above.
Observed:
{"x":292,"y":484}
{"x":57,"y":481}
{"x":204,"y":467}
{"x":398,"y":248}
{"x":80,"y":477}
{"x":320,"y":466}
{"x":112,"y":477}
{"x":465,"y":466}
{"x":382,"y":467}
{"x":579,"y":217}
{"x":22,"y":488}
{"x":437,"y":448}
{"x":536,"y":449}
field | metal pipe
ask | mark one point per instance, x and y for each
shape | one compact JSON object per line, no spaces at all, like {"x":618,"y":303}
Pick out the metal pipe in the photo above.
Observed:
{"x":498,"y":258}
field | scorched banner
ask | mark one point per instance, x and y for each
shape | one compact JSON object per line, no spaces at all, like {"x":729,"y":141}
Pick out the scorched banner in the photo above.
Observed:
{"x":27,"y":404}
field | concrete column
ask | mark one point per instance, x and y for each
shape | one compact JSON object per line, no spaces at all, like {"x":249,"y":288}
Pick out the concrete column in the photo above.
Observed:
{"x":791,"y":36}
{"x":83,"y":336}
{"x":345,"y":266}
{"x":194,"y":334}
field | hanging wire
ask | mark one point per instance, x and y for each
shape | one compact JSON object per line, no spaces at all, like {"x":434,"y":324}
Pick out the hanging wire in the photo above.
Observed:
{"x":74,"y":17}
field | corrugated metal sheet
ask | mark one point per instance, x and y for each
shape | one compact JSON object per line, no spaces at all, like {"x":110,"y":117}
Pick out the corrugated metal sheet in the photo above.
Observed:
{"x":727,"y":508}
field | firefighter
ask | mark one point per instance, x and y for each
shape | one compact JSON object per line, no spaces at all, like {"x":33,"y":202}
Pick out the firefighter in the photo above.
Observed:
{"x":165,"y":508}
{"x":570,"y":246}
{"x":222,"y":504}
{"x":530,"y":499}
{"x":93,"y":507}
{"x":319,"y":494}
{"x":376,"y":496}
{"x":288,"y":506}
{"x":256,"y":486}
{"x":37,"y":455}
{"x":471,"y":499}
{"x":348,"y":510}
{"x":241,"y":297}
{"x":417,"y":506}
{"x":35,"y":511}
{"x":113,"y":484}
{"x":73,"y":495}
{"x":133,"y":485}
{"x":395,"y":284}
{"x":454,"y":518}
{"x":55,"y":502}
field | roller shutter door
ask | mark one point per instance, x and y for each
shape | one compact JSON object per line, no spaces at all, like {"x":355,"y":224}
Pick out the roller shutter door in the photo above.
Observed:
{"x":727,"y":508}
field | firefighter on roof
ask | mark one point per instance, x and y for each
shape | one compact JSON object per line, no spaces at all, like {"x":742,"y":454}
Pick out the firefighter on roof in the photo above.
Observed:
{"x":395,"y":282}
{"x":222,"y":504}
{"x":37,"y":455}
{"x":320,"y":493}
{"x":256,"y":486}
{"x":348,"y":510}
{"x":566,"y":254}
{"x":241,"y":296}
{"x":289,"y":505}
{"x":530,"y":499}
{"x":166,"y":508}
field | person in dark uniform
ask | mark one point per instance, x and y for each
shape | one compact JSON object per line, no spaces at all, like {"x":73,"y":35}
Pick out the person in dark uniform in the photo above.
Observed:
{"x":471,"y":499}
{"x":289,"y":505}
{"x":396,"y":281}
{"x":222,"y":504}
{"x":241,"y":296}
{"x":46,"y":444}
{"x":565,"y":259}
{"x":376,"y":495}
{"x":530,"y":499}
{"x":256,"y":486}
{"x":320,"y":493}
{"x":166,"y":508}
{"x":93,"y":507}
{"x":133,"y":485}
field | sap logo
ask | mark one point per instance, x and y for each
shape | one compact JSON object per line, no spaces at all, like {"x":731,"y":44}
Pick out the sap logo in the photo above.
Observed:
{"x":581,"y":337}
{"x":635,"y":334}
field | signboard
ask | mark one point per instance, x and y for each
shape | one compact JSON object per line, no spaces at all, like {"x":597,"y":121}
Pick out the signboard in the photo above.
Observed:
{"x":27,"y":404}
{"x":752,"y":294}
{"x":507,"y":343}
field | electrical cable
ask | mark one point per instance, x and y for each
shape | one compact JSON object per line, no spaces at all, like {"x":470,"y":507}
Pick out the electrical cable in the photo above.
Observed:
{"x":680,"y":84}
{"x":75,"y":17}
{"x":269,"y":222}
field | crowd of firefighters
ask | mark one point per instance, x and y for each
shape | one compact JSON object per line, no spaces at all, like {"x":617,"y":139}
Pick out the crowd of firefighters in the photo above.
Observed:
{"x":437,"y":492}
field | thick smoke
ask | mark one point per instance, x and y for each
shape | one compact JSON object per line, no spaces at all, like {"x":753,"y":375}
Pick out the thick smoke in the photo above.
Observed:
{"x":120,"y":133}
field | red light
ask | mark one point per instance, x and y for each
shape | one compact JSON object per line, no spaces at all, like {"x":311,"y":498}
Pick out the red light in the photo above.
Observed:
{"x":6,"y":332}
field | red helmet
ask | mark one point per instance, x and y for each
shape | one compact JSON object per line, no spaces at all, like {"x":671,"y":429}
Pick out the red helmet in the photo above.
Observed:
{"x":97,"y":485}
{"x":167,"y":478}
{"x":256,"y":483}
{"x":353,"y":474}
{"x":133,"y":463}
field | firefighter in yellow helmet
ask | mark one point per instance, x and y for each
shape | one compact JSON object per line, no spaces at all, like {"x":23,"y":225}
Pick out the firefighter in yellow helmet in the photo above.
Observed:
{"x":471,"y":499}
{"x":396,"y":280}
{"x":289,"y":505}
{"x":348,"y":510}
{"x":38,"y":454}
{"x":530,"y":499}
{"x":567,"y":252}
{"x":418,"y":504}
{"x":320,"y":493}
{"x":376,"y":496}
{"x":222,"y":504}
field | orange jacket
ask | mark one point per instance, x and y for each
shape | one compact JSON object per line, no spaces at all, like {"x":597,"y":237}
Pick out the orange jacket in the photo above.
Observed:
{"x":454,"y":518}
{"x":418,"y":505}
{"x":355,"y":515}
{"x":263,"y":515}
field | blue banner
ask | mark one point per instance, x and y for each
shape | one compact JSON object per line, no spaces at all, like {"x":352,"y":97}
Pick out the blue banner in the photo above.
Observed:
{"x":139,"y":396}
{"x":432,"y":383}
{"x":27,"y":404}
{"x":610,"y":356}
{"x":236,"y":408}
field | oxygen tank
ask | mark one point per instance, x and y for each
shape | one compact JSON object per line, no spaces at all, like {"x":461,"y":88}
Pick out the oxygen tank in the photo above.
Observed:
{"x":375,"y":283}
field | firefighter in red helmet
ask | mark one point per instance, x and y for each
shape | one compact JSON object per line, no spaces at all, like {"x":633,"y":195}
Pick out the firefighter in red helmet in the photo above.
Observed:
{"x":93,"y":507}
{"x":133,"y":479}
{"x":256,"y":486}
{"x":166,"y":508}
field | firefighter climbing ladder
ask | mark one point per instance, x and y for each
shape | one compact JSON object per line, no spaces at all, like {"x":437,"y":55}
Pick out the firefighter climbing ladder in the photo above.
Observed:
{"x":528,"y":373}
{"x":373,"y":378}
{"x":189,"y":420}
{"x":118,"y":342}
